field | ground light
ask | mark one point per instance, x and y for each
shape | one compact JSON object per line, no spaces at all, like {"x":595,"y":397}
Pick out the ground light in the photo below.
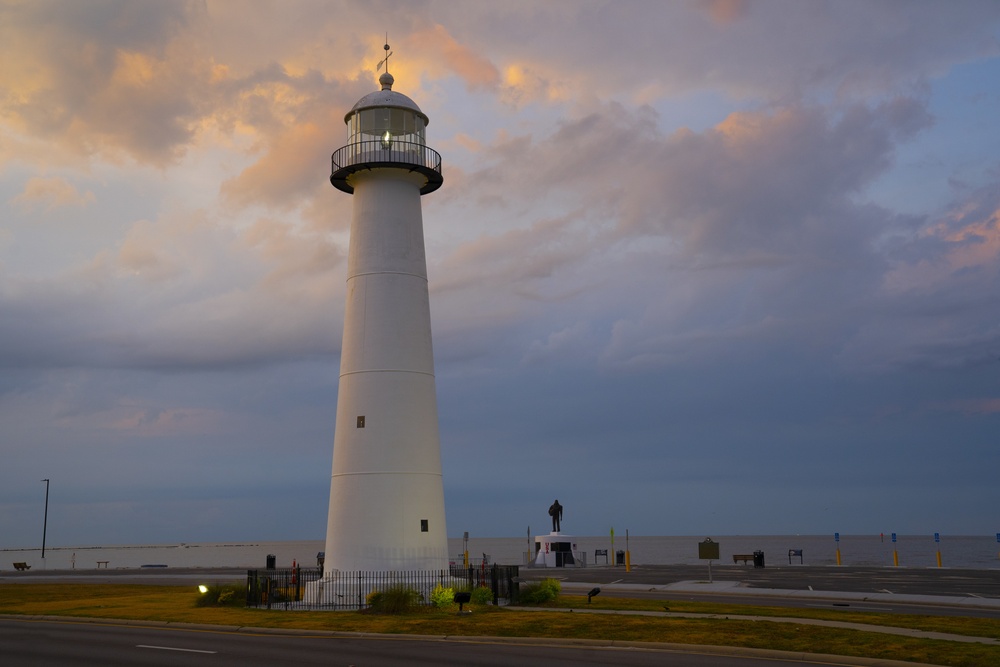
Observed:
{"x":202,"y":588}
{"x":592,"y":593}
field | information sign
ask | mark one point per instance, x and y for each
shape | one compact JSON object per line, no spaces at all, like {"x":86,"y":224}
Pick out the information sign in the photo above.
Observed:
{"x":708,"y":550}
{"x":836,"y":537}
{"x":894,"y":538}
{"x":937,"y":537}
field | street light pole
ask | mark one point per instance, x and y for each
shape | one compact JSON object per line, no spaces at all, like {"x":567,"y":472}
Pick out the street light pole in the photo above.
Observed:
{"x":45,"y":521}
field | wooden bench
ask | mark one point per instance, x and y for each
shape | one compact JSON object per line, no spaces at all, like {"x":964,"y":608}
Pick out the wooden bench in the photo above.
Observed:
{"x":22,"y":566}
{"x":742,"y":557}
{"x":794,"y":552}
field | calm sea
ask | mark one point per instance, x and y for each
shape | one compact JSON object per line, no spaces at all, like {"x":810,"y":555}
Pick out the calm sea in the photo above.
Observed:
{"x":962,"y":551}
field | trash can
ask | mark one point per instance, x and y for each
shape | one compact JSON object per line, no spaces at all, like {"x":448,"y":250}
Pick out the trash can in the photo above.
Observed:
{"x":271,"y":561}
{"x":619,"y":557}
{"x":758,"y":559}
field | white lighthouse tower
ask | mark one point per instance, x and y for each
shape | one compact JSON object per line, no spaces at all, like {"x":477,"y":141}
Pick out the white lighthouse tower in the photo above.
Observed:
{"x":386,"y":491}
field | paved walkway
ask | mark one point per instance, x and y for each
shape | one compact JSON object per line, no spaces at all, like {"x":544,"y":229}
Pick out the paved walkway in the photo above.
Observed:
{"x":739,"y":588}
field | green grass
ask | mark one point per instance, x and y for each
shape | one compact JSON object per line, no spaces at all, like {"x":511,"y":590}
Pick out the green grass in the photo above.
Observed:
{"x":179,"y":604}
{"x":958,"y":625}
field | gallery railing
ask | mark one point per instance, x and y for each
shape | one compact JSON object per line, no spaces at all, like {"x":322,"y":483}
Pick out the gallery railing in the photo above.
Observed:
{"x":380,"y":151}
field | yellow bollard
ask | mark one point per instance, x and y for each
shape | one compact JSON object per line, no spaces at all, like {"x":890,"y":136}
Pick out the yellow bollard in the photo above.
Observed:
{"x":939,"y":558}
{"x":628,"y":561}
{"x":895,"y":558}
{"x":838,"y":556}
{"x":465,"y":560}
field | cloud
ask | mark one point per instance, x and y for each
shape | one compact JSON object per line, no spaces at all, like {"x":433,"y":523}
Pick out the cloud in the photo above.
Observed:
{"x":289,"y":171}
{"x":441,"y":49}
{"x":725,"y":11}
{"x":935,"y":304}
{"x":50,"y":194}
{"x":112,"y":77}
{"x":668,"y":231}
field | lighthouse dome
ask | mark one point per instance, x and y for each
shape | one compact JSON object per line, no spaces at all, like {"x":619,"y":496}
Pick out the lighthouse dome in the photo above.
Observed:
{"x":386,"y":98}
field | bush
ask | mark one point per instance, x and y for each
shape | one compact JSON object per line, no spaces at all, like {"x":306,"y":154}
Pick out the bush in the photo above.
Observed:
{"x":539,"y":592}
{"x":482,"y":595}
{"x":228,"y":595}
{"x":396,"y":599}
{"x":442,"y":597}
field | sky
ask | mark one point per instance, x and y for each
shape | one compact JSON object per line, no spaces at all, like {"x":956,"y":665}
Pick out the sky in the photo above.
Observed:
{"x":697,"y":268}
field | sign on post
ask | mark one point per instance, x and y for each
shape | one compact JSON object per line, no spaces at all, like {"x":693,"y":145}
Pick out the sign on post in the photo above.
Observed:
{"x":894,"y":538}
{"x":836,"y":537}
{"x":708,"y":550}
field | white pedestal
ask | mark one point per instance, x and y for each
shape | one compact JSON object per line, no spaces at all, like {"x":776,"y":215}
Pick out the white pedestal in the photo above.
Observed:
{"x":555,"y":550}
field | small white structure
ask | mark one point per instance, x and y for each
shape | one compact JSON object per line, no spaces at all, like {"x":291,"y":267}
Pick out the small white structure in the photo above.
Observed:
{"x":555,"y":550}
{"x":386,"y":492}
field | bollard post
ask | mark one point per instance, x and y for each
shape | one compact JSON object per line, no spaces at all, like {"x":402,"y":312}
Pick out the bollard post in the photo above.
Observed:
{"x":628,"y":555}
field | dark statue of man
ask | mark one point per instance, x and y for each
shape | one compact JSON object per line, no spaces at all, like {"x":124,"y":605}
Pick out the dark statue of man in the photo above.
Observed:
{"x":555,"y":511}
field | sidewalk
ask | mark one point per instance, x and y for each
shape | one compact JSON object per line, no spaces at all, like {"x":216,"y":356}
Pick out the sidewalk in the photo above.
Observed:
{"x":738,"y":588}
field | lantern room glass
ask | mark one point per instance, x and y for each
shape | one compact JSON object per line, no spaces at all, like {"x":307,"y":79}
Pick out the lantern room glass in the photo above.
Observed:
{"x":371,"y":124}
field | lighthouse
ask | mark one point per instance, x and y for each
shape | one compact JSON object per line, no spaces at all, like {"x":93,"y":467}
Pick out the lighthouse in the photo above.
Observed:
{"x":386,"y":491}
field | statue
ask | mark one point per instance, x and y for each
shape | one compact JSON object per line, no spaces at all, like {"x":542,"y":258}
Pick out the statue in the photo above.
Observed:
{"x":555,"y":511}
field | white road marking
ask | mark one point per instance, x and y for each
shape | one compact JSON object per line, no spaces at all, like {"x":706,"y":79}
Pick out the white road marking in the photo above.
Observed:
{"x":172,"y":648}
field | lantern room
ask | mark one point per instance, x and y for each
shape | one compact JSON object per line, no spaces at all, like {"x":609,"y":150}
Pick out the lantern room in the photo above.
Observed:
{"x":386,"y":129}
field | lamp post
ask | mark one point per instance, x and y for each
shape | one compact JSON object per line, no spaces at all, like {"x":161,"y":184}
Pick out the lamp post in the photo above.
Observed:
{"x":45,"y":521}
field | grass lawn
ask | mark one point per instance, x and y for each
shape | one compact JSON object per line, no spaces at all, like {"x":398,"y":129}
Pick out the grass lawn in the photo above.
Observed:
{"x":178,"y":604}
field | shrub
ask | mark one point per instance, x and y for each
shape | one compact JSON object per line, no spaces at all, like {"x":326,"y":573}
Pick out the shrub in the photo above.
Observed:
{"x":539,"y":592}
{"x":482,"y":595}
{"x":442,"y":597}
{"x":227,"y":595}
{"x":396,"y":599}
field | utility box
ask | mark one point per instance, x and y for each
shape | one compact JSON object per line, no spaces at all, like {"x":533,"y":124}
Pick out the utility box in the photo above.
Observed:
{"x":708,"y":550}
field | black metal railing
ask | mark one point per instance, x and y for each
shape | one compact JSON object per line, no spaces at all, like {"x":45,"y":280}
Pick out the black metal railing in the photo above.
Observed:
{"x":307,"y":588}
{"x":380,"y":151}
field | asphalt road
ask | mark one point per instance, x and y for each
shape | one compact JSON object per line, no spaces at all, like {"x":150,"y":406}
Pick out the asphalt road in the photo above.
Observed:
{"x":42,"y":643}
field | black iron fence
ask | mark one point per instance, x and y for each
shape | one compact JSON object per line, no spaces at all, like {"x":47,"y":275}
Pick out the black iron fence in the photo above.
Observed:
{"x":308,"y":588}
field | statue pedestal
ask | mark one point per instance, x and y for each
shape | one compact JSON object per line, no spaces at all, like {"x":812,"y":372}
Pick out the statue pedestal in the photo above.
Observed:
{"x":554,"y":550}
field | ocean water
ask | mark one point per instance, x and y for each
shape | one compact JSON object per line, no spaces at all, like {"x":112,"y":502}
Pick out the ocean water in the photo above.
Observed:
{"x":961,"y":551}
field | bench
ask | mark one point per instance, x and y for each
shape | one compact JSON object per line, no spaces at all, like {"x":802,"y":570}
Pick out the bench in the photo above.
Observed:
{"x":102,"y":562}
{"x":794,"y":552}
{"x":742,"y":557}
{"x":598,"y":553}
{"x":22,"y":566}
